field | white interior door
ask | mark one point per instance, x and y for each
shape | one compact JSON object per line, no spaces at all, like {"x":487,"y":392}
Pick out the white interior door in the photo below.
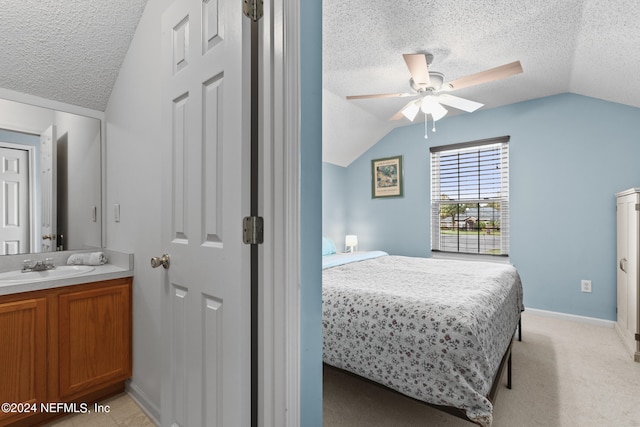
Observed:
{"x":623,"y":256}
{"x":14,"y":193}
{"x":206,"y":161}
{"x":48,"y":189}
{"x":633,"y":229}
{"x":628,"y":228}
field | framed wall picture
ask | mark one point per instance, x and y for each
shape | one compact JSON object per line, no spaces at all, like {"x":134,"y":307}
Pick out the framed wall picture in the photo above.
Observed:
{"x":387,"y":177}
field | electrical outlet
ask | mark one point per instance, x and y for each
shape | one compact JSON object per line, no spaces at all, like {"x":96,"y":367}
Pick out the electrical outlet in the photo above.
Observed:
{"x":585,"y":285}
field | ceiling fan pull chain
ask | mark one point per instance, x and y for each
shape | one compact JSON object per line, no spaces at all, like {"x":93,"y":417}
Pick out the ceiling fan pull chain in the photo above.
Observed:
{"x":434,"y":126}
{"x":425,"y":126}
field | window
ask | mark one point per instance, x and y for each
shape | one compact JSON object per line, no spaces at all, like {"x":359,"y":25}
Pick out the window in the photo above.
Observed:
{"x":470,"y":197}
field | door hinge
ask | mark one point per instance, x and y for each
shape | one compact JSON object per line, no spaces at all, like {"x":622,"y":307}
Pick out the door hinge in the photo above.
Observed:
{"x":637,"y":337}
{"x":253,"y":9}
{"x":638,"y":206}
{"x":253,"y":230}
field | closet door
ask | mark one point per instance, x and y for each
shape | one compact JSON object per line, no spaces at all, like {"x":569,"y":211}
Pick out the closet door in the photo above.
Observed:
{"x":633,"y":219}
{"x":623,"y":243}
{"x":628,"y":251}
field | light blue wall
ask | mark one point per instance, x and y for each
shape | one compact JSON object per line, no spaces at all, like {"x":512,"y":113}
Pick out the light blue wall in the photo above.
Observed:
{"x":334,"y":203}
{"x":569,"y":154}
{"x":20,"y":138}
{"x":311,"y":214}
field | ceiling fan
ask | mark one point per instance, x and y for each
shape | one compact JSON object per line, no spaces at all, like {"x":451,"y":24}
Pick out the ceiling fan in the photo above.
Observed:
{"x":429,"y":85}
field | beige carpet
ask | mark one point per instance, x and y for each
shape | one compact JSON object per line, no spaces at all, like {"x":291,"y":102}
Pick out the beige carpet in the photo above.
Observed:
{"x":565,"y":373}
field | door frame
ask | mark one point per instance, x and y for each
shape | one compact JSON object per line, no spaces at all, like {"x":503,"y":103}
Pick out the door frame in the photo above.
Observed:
{"x":279,"y":256}
{"x":34,"y":236}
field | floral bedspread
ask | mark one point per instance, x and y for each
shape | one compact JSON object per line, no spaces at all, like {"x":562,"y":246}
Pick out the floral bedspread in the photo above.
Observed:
{"x":432,"y":329}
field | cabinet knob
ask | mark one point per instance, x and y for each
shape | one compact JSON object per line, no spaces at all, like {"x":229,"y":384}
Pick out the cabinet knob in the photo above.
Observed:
{"x":163,"y":261}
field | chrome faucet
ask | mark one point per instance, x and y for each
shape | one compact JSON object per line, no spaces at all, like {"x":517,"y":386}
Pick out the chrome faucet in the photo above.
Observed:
{"x":47,"y":264}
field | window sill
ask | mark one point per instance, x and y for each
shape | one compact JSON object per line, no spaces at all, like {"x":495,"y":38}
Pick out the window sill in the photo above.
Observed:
{"x":471,"y":257}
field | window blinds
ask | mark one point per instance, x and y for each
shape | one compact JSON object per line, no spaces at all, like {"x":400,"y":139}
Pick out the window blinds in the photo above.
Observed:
{"x":470,"y":197}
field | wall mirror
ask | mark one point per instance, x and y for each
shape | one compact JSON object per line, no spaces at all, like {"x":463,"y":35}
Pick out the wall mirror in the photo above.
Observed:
{"x":50,"y":180}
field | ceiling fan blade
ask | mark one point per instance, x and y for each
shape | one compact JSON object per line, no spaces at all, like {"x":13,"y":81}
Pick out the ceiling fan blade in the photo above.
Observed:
{"x":397,"y":116}
{"x":497,"y":73}
{"x":459,"y":103}
{"x":381,"y":95}
{"x":418,"y":67}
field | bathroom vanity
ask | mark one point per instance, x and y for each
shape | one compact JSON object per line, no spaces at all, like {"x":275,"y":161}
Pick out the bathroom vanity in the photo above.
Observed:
{"x":65,"y":344}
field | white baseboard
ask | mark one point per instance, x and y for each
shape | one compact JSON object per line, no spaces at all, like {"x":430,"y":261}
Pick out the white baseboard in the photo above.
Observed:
{"x":573,"y":317}
{"x":151,"y":410}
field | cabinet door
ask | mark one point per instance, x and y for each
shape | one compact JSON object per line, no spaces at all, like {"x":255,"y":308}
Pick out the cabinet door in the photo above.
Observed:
{"x":23,"y":354}
{"x":633,"y":268}
{"x":94,"y":338}
{"x":623,"y":257}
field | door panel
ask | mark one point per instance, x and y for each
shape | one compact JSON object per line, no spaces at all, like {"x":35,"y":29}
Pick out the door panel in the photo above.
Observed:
{"x":632,"y":266}
{"x":212,"y":354}
{"x":212,"y":156}
{"x":206,"y":290}
{"x":179,"y":331}
{"x":14,"y":193}
{"x":622,"y":250}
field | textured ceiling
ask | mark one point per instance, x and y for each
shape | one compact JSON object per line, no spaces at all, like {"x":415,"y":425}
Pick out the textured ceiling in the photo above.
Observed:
{"x":588,"y":47}
{"x":71,"y":51}
{"x":66,"y":50}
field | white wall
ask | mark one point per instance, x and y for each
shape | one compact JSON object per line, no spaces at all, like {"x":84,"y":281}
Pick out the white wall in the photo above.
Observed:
{"x":133,"y":124}
{"x":24,"y":117}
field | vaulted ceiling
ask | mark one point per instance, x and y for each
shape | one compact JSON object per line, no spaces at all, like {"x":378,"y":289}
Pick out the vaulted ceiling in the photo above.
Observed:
{"x":588,"y":47}
{"x":66,"y":50}
{"x":71,"y":51}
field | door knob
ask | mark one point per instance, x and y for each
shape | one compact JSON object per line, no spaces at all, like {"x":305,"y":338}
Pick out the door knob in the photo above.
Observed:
{"x":160,"y":261}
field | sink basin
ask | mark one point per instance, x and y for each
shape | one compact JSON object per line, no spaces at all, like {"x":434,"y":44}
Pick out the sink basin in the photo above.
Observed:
{"x":17,"y":277}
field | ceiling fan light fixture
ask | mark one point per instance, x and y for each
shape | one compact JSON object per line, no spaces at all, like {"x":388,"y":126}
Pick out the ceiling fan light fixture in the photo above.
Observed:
{"x":427,"y":103}
{"x":430,"y":105}
{"x":411,"y":110}
{"x":438,"y":113}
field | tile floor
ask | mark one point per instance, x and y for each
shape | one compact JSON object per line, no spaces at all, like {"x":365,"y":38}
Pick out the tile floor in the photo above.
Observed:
{"x":123,"y":412}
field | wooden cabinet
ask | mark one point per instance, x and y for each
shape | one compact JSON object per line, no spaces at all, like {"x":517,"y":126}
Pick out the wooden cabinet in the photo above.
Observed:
{"x":628,"y":276}
{"x":94,"y":338}
{"x":23,"y":354}
{"x":66,"y":344}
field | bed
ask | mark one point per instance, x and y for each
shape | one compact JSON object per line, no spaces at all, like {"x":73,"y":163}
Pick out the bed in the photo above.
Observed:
{"x":436,"y":330}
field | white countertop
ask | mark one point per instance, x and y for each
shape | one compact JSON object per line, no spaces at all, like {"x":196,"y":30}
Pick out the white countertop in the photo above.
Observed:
{"x":120,"y":265}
